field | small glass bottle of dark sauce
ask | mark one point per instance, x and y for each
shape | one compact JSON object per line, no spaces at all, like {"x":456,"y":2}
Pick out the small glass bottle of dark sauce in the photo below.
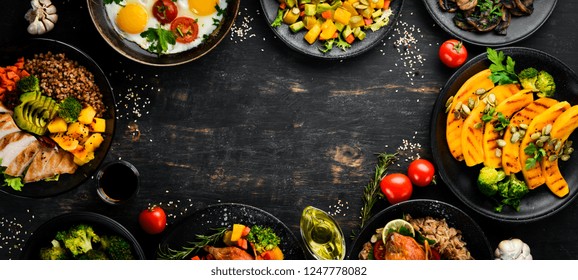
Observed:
{"x":118,"y":182}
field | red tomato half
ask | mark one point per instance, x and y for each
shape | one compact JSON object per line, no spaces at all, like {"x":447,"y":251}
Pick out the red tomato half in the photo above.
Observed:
{"x":453,"y":53}
{"x":396,"y":187}
{"x":421,"y":172}
{"x":153,"y":220}
{"x":165,"y":11}
{"x":379,"y":250}
{"x":185,"y":29}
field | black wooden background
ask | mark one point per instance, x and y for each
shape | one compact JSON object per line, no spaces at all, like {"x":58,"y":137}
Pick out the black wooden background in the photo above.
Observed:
{"x":255,"y":122}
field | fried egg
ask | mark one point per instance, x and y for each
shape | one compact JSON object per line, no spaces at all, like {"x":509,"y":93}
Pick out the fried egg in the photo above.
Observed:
{"x":132,"y":17}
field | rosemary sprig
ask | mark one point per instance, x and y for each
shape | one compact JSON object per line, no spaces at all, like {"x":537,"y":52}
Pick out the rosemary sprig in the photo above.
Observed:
{"x":166,"y":253}
{"x":371,"y":193}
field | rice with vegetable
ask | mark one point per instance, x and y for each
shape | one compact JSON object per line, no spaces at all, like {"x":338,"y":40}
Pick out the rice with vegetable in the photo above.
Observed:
{"x":447,"y":241}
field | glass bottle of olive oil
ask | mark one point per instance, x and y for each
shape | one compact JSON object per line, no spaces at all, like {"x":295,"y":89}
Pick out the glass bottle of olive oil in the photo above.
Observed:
{"x":321,"y":234}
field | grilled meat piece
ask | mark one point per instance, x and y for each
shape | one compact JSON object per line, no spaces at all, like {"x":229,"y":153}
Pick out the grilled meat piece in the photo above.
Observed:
{"x":228,"y":253}
{"x":48,"y":163}
{"x":401,"y":247}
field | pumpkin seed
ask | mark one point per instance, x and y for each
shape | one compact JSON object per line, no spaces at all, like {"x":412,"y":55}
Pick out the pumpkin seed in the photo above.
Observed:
{"x":523,"y":126}
{"x":457,"y":115}
{"x":547,"y":129}
{"x":501,"y":143}
{"x":558,"y":146}
{"x":466,"y":109}
{"x":568,"y":151}
{"x":544,"y":138}
{"x":498,"y":152}
{"x":478,"y":125}
{"x":513,"y":129}
{"x":448,"y":109}
{"x":565,"y":157}
{"x":535,"y":135}
{"x":568,"y":143}
{"x":515,"y":137}
{"x":522,"y":132}
{"x":449,"y":101}
{"x":471,"y":103}
{"x":492,"y":98}
{"x":539,"y":143}
{"x":552,"y":157}
{"x":480,"y":91}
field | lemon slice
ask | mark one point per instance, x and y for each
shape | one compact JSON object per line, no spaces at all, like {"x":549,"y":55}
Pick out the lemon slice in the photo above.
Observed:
{"x":395,"y":225}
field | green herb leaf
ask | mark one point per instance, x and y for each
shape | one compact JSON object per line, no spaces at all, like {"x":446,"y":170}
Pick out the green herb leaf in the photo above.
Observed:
{"x":220,"y":11}
{"x":536,"y":155}
{"x":110,"y":1}
{"x":278,"y":20}
{"x":167,"y":253}
{"x":372,"y":191}
{"x":159,"y":38}
{"x":501,"y":74}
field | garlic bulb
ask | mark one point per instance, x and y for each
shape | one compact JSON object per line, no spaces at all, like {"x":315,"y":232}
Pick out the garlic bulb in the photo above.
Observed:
{"x":42,"y":17}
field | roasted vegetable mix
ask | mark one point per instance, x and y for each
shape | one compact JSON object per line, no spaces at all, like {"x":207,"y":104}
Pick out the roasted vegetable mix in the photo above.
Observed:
{"x":334,"y":23}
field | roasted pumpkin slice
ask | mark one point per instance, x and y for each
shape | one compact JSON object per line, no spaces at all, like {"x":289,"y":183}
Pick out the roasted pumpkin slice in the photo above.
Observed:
{"x":455,"y":120}
{"x":511,"y":152}
{"x":493,"y":131}
{"x":533,"y":175}
{"x":473,"y":127}
{"x":564,"y":125}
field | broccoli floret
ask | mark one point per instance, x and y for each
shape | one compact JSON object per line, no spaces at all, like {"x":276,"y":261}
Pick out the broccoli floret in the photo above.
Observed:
{"x":263,"y":239}
{"x":28,"y":84}
{"x":511,"y":192}
{"x":78,"y":239}
{"x":528,"y":78}
{"x":545,"y":84}
{"x":488,"y":180}
{"x":537,"y":81}
{"x":93,"y":255}
{"x":56,"y":252}
{"x":116,"y":247}
{"x":69,"y":109}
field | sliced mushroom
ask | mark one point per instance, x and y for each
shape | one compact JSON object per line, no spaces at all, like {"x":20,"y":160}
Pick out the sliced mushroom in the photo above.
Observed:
{"x":42,"y":17}
{"x":504,"y":22}
{"x":465,"y":5}
{"x":448,"y":5}
{"x":523,"y":8}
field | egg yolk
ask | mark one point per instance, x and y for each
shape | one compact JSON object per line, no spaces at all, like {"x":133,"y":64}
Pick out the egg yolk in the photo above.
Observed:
{"x":203,"y":7}
{"x":132,"y":18}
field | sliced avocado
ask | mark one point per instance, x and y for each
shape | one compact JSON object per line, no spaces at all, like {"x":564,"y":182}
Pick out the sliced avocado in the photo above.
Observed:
{"x":35,"y":112}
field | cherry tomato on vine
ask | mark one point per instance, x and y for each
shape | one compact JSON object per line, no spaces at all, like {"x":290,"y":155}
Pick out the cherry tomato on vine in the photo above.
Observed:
{"x":153,"y":220}
{"x":453,"y":53}
{"x":396,"y":187}
{"x":421,"y":172}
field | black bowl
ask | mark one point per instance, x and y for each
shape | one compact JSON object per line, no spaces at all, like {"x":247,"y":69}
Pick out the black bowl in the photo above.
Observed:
{"x":134,"y":52}
{"x":102,"y":225}
{"x":206,"y":220}
{"x":472,"y":234}
{"x":66,"y":182}
{"x":461,"y":179}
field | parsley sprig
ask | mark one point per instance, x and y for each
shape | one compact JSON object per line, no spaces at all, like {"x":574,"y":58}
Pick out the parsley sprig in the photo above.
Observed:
{"x":159,"y":38}
{"x":500,"y":120}
{"x":502,"y":74}
{"x":536,"y":154}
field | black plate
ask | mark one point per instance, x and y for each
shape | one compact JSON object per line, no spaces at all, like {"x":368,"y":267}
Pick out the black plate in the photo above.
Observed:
{"x":102,"y":225}
{"x":296,"y":42}
{"x":8,"y":55}
{"x":519,"y":29}
{"x":539,"y":203}
{"x":204,"y":221}
{"x":472,"y":234}
{"x":134,"y":52}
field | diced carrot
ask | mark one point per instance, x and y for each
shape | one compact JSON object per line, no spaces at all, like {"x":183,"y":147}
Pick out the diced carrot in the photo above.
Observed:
{"x":350,"y":38}
{"x":20,"y":63}
{"x":12,"y":75}
{"x":368,"y":21}
{"x":386,"y":4}
{"x":335,"y":35}
{"x":242,"y":243}
{"x":282,"y":5}
{"x":24,"y":73}
{"x":195,"y":258}
{"x":246,"y":231}
{"x":327,"y":14}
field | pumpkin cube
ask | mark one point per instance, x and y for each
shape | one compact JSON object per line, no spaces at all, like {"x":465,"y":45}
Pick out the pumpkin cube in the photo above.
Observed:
{"x":78,"y":131}
{"x":65,"y":141}
{"x":82,"y":156}
{"x":93,"y":142}
{"x":57,"y":125}
{"x":97,"y":125}
{"x":86,"y":115}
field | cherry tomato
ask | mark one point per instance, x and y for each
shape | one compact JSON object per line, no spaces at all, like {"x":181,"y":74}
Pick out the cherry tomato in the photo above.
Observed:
{"x":453,"y":53}
{"x":421,"y":172}
{"x":185,"y":29}
{"x":165,"y":11}
{"x":379,"y":250}
{"x":153,"y":220}
{"x":396,"y":187}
